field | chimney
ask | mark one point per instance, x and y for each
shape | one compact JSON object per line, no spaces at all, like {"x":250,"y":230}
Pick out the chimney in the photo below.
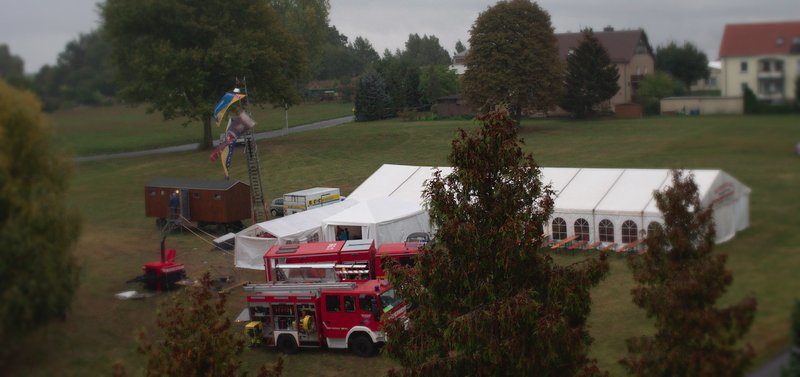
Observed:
{"x":608,"y":28}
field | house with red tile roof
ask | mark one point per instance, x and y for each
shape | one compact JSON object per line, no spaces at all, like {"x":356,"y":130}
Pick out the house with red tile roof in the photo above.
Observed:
{"x":764,"y":57}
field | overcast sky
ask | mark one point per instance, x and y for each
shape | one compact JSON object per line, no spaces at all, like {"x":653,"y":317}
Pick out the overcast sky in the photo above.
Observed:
{"x":37,"y":30}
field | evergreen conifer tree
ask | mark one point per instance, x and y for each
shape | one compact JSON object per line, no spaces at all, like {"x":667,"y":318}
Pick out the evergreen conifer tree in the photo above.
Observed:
{"x":591,"y":77}
{"x":371,"y":98}
{"x":680,"y":279}
{"x":484,"y":298}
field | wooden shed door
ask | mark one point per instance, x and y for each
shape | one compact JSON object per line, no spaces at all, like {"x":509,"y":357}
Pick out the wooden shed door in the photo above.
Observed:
{"x":185,"y":204}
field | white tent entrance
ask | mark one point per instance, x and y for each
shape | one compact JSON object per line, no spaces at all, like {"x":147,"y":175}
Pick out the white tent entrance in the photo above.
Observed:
{"x":383,"y":219}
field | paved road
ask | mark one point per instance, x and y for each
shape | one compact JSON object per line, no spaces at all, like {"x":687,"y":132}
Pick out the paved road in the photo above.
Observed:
{"x":773,"y":367}
{"x":194,"y":146}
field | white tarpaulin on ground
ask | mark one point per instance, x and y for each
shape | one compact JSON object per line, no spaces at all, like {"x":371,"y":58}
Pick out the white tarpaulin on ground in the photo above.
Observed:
{"x":385,"y":220}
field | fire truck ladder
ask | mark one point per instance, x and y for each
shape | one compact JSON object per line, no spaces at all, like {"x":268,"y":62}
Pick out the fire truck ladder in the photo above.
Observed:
{"x":254,"y":173}
{"x":289,"y":288}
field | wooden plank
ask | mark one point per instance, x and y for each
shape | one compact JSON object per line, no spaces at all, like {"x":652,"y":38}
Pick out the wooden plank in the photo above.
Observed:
{"x":629,"y":245}
{"x":577,"y":245}
{"x":564,"y":242}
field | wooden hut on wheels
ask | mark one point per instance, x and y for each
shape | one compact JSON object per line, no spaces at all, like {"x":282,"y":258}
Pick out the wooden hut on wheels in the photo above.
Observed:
{"x":224,"y":203}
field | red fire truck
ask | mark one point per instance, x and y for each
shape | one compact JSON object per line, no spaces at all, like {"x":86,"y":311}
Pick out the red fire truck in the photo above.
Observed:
{"x":346,"y":255}
{"x":352,"y":260}
{"x":325,"y":314}
{"x":404,"y":253}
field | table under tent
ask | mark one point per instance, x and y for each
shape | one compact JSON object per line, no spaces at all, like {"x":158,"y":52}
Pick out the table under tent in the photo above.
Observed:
{"x":594,"y":208}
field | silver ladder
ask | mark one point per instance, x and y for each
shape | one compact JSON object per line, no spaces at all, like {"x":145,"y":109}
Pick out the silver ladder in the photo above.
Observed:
{"x":297,"y":288}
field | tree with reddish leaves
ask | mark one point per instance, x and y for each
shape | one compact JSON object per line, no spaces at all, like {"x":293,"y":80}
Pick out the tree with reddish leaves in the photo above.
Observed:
{"x":484,"y":298}
{"x":198,"y":340}
{"x":680,"y":279}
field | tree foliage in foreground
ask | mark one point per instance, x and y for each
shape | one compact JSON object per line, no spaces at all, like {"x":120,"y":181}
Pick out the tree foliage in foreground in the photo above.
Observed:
{"x":591,"y":77}
{"x":483,"y":299}
{"x":181,"y":56}
{"x":513,"y":59}
{"x":38,"y":272}
{"x":197,"y":338}
{"x":679,"y":281}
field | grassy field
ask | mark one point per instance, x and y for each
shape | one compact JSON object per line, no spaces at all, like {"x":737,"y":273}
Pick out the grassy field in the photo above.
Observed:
{"x":118,"y":238}
{"x":88,"y":131}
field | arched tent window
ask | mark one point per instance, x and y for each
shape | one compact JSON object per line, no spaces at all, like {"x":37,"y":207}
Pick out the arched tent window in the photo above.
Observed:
{"x":582,"y":229}
{"x":652,"y":227}
{"x":559,"y":229}
{"x":606,"y":231}
{"x":629,"y":230}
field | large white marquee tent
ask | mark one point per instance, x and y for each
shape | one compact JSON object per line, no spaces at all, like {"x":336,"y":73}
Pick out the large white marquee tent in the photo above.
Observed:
{"x":388,"y":206}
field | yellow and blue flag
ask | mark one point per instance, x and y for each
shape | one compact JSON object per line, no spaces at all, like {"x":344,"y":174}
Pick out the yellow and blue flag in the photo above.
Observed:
{"x":224,"y":103}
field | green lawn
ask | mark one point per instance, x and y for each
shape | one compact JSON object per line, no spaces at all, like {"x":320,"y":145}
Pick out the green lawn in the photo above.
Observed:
{"x":756,"y":150}
{"x":88,"y":131}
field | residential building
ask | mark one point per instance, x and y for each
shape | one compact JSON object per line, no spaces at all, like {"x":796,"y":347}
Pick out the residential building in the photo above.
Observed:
{"x":459,"y":62}
{"x":712,"y":82}
{"x":764,"y":57}
{"x":629,"y":50}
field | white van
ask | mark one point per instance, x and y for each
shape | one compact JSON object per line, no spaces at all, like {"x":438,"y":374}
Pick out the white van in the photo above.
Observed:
{"x":302,"y":200}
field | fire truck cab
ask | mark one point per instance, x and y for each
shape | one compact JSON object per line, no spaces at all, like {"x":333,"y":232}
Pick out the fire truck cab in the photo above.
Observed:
{"x":404,"y":253}
{"x":326,"y":314}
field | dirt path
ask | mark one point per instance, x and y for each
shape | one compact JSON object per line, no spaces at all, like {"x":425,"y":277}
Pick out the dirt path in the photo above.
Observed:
{"x":194,"y":146}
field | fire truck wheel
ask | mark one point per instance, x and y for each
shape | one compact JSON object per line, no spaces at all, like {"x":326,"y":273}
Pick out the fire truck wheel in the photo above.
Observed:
{"x":287,"y":345}
{"x":362,"y":345}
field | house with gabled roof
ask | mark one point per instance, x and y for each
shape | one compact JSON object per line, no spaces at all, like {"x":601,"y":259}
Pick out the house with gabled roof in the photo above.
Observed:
{"x":629,"y":50}
{"x":764,"y":57}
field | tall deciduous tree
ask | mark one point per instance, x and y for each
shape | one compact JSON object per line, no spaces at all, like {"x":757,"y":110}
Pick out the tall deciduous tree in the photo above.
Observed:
{"x":513,"y":59}
{"x":10,"y":65}
{"x":685,"y":63}
{"x":38,"y":272}
{"x":401,"y":76}
{"x":436,"y":81}
{"x":198,"y":339}
{"x":180,"y":56}
{"x":483,"y":298}
{"x":12,"y":68}
{"x":460,"y":47}
{"x":425,"y":50}
{"x":591,"y":77}
{"x":83,"y":73}
{"x":372,"y":99}
{"x":364,"y":52}
{"x":679,"y":280}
